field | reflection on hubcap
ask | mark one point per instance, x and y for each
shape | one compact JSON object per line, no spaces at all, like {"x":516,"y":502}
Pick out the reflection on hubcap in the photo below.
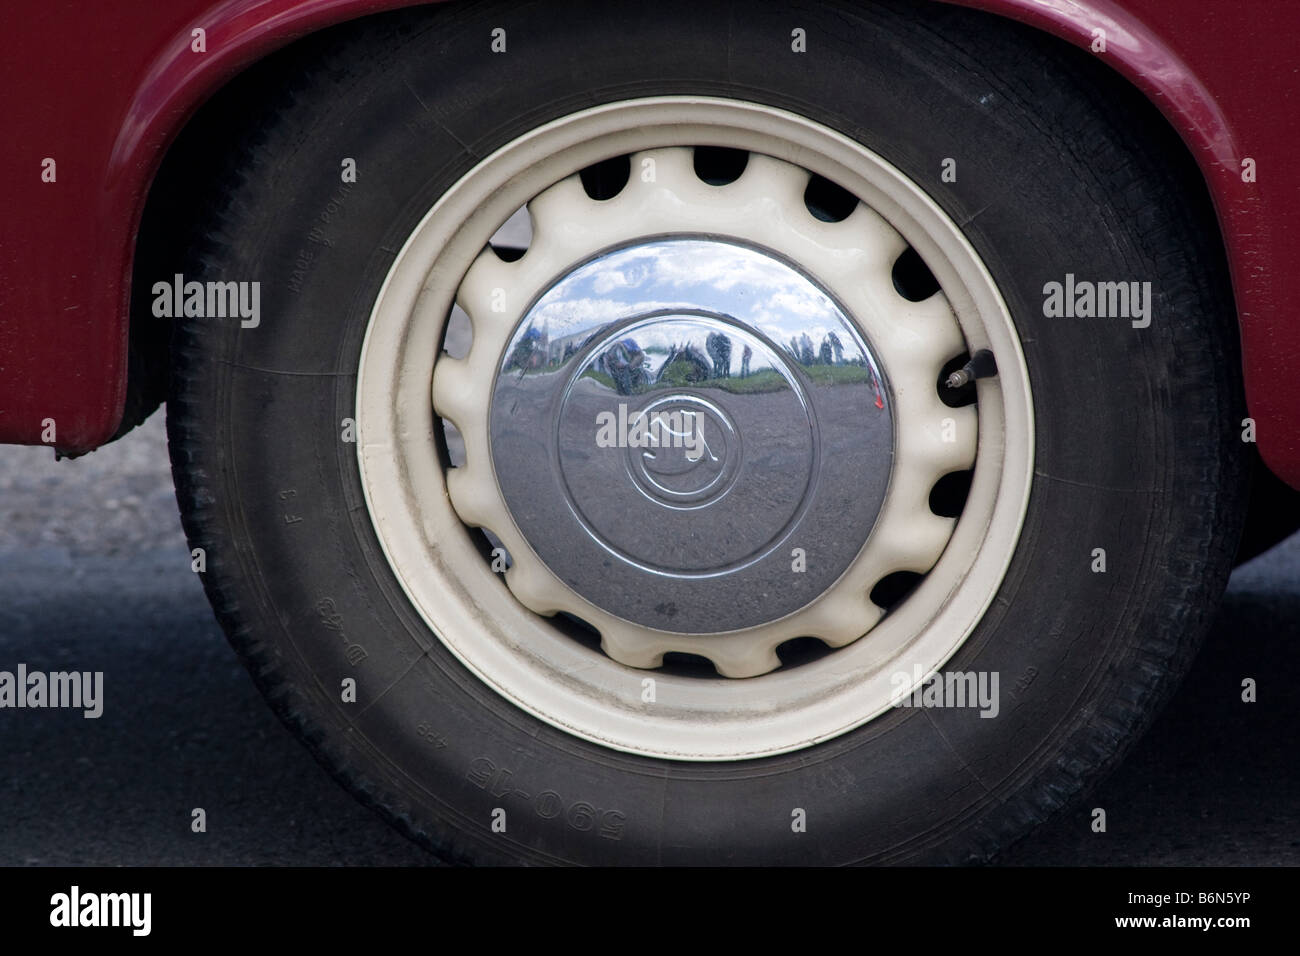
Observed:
{"x":679,"y":423}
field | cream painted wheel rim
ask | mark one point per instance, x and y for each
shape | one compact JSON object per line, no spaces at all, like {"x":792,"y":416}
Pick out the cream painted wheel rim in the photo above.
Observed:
{"x":423,"y":514}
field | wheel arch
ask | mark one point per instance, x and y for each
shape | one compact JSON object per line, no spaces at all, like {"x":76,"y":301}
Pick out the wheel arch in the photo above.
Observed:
{"x":183,"y":116}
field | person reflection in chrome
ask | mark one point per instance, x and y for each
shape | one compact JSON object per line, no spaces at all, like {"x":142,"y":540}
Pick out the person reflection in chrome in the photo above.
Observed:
{"x":625,"y":363}
{"x":719,"y":347}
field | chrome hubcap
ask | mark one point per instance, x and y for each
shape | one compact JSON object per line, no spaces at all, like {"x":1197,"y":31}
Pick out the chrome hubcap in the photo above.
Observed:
{"x":678,"y":423}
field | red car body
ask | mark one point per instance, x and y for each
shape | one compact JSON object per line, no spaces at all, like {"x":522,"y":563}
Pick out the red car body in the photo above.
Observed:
{"x":104,"y":88}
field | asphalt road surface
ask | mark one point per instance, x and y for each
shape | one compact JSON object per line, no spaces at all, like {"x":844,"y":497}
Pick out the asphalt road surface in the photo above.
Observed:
{"x":95,"y":575}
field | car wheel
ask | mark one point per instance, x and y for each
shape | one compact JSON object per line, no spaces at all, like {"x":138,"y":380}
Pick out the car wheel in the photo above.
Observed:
{"x":622,"y":452}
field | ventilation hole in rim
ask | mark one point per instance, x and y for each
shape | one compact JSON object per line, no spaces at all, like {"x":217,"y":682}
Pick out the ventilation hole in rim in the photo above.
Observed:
{"x":681,"y":664}
{"x":606,"y":179}
{"x":450,"y":443}
{"x":802,"y":650}
{"x":512,"y":240}
{"x":441,"y":445}
{"x":720,"y":165}
{"x":955,"y":397}
{"x":457,"y":334}
{"x":497,"y":553}
{"x":483,"y":544}
{"x":913,"y":279}
{"x":948,"y":496}
{"x":893,"y":589}
{"x":576,"y":629}
{"x":828,"y":201}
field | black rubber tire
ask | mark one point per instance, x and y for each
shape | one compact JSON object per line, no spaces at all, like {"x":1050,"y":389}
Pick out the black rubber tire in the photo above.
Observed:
{"x":1060,"y":170}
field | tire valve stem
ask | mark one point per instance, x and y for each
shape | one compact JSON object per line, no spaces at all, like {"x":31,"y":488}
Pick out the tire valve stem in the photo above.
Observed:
{"x":981,"y":365}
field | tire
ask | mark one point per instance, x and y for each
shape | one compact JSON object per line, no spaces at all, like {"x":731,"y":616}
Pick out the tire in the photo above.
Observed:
{"x":1133,"y":443}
